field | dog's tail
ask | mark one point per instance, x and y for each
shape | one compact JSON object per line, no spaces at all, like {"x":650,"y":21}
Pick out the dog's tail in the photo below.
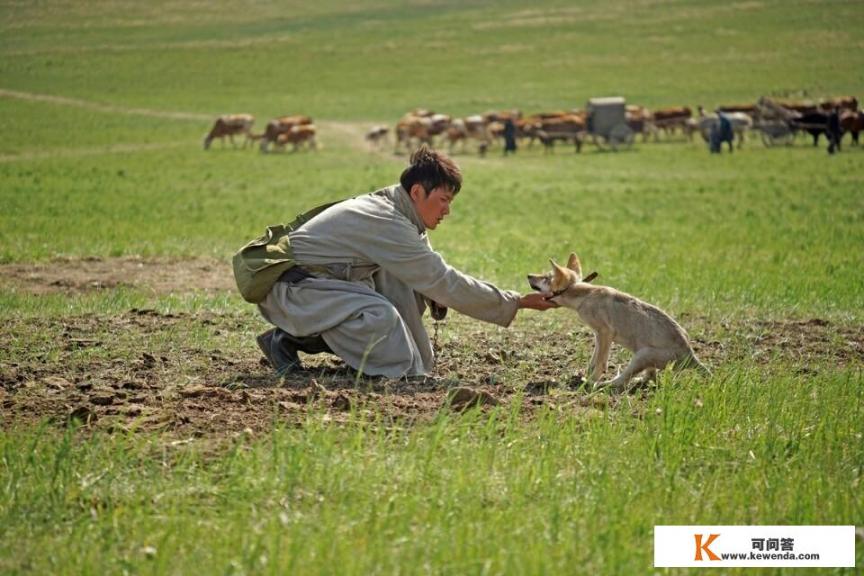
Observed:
{"x":690,"y":361}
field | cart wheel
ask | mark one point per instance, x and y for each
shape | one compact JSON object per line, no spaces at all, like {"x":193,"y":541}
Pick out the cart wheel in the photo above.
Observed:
{"x":620,"y":136}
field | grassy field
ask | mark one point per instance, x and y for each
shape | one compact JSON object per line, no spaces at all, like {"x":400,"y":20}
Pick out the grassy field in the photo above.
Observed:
{"x":197,"y":460}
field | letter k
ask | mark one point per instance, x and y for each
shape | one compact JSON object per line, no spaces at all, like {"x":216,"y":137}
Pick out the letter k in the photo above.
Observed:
{"x":700,"y":546}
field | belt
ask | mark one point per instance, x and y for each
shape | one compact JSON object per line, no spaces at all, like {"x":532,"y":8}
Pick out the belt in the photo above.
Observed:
{"x":345,"y":272}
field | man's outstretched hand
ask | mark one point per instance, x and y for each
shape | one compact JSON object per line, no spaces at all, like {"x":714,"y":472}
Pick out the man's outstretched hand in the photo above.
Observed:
{"x":536,"y":301}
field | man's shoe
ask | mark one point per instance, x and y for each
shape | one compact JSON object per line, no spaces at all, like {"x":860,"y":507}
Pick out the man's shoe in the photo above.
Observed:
{"x":280,"y":353}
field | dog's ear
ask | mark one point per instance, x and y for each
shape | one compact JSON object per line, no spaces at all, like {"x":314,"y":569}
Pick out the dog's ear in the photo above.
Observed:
{"x":574,"y":265}
{"x":561,"y":277}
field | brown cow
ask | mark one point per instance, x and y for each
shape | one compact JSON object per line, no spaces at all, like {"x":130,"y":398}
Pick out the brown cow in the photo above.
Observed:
{"x":279,"y":126}
{"x":230,"y":125}
{"x":853,"y":123}
{"x":670,"y":119}
{"x":751,"y":110}
{"x":528,"y":127}
{"x":297,"y":136}
{"x":845,"y":103}
{"x":565,"y":128}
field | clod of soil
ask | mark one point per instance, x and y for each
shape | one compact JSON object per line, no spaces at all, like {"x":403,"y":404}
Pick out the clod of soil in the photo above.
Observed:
{"x":463,"y":398}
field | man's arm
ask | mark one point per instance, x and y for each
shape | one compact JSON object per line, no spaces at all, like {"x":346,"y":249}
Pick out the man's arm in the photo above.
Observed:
{"x":536,"y":301}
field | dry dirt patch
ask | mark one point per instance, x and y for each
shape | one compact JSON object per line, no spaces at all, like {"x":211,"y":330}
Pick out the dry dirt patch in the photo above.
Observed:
{"x":156,"y":275}
{"x":201,"y":374}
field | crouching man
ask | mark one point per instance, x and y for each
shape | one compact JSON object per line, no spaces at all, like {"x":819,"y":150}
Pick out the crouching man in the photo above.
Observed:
{"x":365,"y":273}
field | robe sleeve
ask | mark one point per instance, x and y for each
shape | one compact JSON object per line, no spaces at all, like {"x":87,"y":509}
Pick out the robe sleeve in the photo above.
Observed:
{"x":398,"y":248}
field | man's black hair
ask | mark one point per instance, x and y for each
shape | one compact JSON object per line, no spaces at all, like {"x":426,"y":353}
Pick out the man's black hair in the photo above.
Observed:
{"x":431,"y":169}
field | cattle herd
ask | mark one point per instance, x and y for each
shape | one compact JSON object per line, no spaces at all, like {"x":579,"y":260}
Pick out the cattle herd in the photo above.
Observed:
{"x":295,"y":130}
{"x":778,"y":121}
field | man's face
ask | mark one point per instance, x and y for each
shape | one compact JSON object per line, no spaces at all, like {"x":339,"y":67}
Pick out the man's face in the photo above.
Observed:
{"x":434,"y":207}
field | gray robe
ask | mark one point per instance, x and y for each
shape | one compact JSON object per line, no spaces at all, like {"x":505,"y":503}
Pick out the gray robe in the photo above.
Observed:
{"x":381,"y":269}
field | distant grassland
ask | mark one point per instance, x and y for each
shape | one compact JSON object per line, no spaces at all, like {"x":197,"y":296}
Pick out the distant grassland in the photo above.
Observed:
{"x":378,"y":59}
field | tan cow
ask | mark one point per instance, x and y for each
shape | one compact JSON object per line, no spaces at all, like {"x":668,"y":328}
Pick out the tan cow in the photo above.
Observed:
{"x":229,"y":125}
{"x":567,"y":128}
{"x":468,"y":128}
{"x":279,"y":126}
{"x":377,"y":136}
{"x":640,"y":121}
{"x":502,"y":115}
{"x":298,"y":136}
{"x":411,"y":128}
{"x":420,"y":126}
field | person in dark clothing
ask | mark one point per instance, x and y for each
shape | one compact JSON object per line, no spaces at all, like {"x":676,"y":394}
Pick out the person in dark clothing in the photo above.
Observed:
{"x":509,"y":136}
{"x":721,"y":132}
{"x":833,"y":130}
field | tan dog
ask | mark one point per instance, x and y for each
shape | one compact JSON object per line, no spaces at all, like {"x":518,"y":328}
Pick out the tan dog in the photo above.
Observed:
{"x":655,"y":339}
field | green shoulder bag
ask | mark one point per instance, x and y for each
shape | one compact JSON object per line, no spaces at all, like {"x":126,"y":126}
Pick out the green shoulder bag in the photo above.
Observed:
{"x":258,"y":264}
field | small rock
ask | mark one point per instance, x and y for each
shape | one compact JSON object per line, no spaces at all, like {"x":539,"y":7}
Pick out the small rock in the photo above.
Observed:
{"x":463,"y":397}
{"x":539,"y":387}
{"x":8,"y":374}
{"x":57,"y":383}
{"x":131,"y":411}
{"x":82,"y":413}
{"x":102,"y":399}
{"x":194,"y":391}
{"x":148,"y":551}
{"x":341,"y":402}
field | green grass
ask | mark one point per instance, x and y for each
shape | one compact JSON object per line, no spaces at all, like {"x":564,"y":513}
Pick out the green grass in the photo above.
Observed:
{"x":764,"y":233}
{"x":477,"y":493}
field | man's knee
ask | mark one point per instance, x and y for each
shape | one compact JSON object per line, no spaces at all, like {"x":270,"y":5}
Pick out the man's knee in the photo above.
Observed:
{"x":382,"y":318}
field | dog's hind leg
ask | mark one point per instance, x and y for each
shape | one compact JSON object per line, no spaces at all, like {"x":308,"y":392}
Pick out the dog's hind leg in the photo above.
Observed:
{"x":644,"y":359}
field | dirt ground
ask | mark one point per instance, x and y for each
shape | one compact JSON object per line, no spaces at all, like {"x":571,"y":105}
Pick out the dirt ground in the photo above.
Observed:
{"x":200,"y":374}
{"x":158,"y":275}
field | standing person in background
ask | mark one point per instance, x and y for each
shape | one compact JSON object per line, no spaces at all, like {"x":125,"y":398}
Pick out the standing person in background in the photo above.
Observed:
{"x":833,"y":130}
{"x":509,"y":137}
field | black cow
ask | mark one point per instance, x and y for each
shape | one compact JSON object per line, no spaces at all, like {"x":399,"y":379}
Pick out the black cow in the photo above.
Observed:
{"x":814,"y":123}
